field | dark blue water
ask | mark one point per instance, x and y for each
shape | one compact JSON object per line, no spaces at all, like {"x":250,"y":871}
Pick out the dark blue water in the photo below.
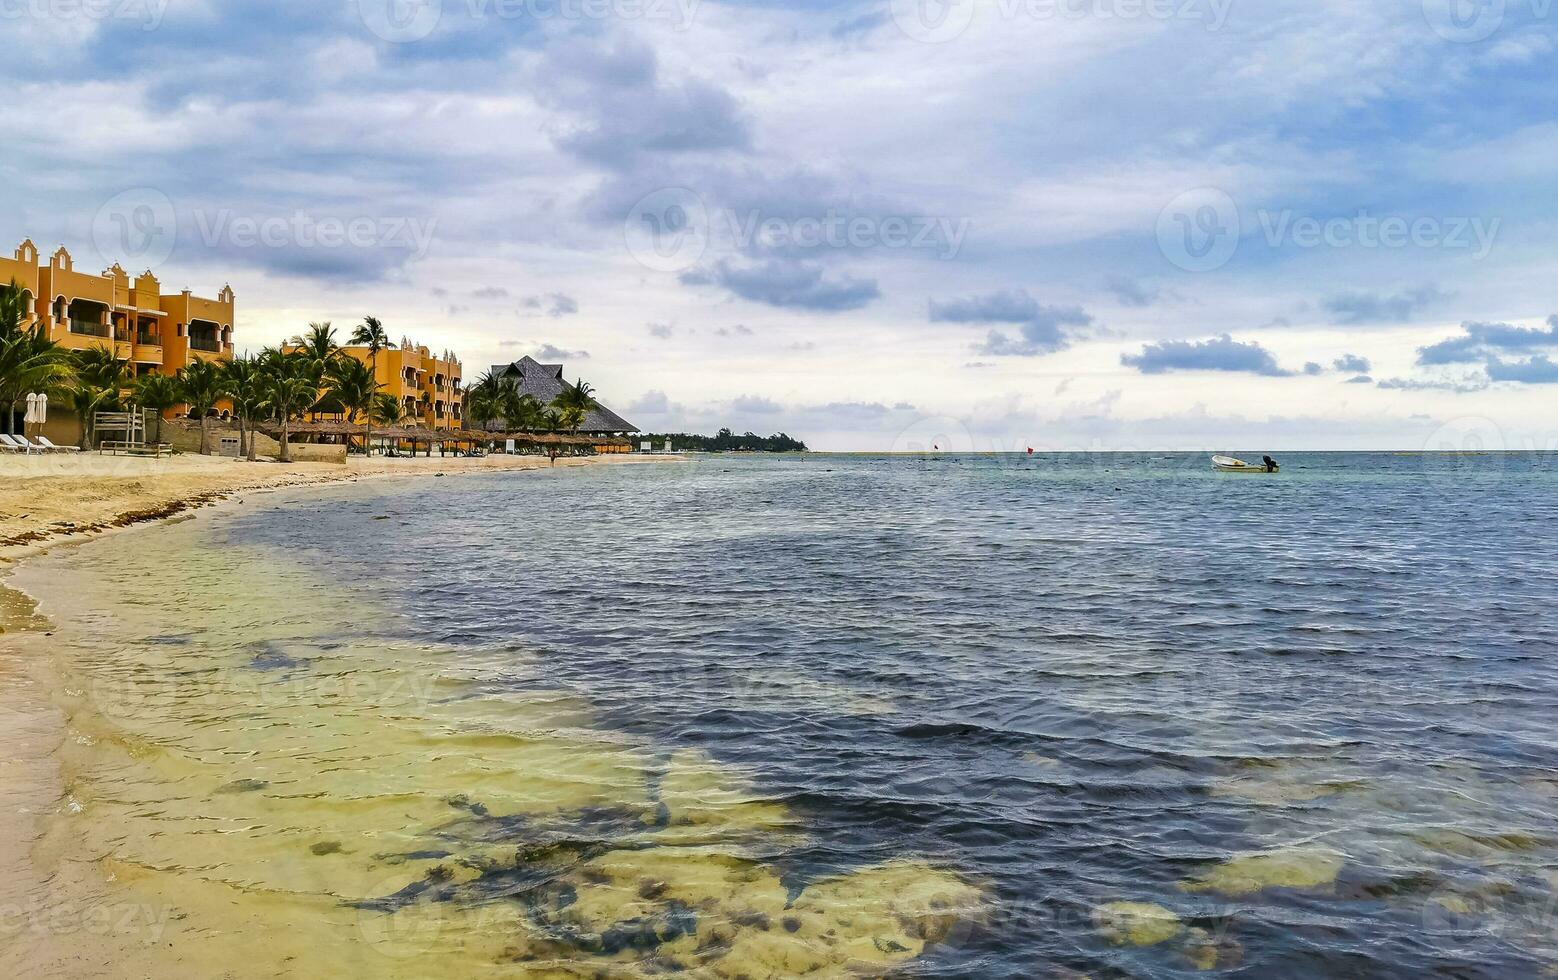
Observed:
{"x":1078,"y":680}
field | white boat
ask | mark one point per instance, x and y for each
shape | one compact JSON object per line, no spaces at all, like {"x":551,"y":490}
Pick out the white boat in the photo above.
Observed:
{"x":1230,"y":464}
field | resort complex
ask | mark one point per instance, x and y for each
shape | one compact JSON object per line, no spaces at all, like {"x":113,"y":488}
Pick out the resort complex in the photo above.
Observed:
{"x":544,"y":383}
{"x":110,"y":361}
{"x":155,"y":331}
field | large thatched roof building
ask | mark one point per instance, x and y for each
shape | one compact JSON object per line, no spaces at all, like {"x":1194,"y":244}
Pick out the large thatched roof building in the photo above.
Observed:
{"x":544,"y":382}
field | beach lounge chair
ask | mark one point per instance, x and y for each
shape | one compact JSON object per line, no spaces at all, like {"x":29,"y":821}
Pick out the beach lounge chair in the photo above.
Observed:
{"x":50,"y":447}
{"x":6,"y":445}
{"x":18,"y":444}
{"x":33,"y":447}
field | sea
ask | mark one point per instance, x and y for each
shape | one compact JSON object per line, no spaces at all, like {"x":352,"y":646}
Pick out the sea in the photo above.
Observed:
{"x":1007,"y":716}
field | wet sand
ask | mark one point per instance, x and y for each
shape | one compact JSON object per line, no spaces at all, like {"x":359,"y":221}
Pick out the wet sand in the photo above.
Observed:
{"x":213,"y":778}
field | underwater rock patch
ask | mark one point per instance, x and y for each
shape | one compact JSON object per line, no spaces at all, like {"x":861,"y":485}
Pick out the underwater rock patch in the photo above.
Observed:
{"x":1136,"y":923}
{"x":1246,"y":874}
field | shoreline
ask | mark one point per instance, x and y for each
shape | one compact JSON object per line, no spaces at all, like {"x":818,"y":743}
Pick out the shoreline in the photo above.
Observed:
{"x":61,"y":500}
{"x":115,"y":495}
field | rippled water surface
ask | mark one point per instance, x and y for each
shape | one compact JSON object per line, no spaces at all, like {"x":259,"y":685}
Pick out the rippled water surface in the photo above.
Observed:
{"x":959,"y":716}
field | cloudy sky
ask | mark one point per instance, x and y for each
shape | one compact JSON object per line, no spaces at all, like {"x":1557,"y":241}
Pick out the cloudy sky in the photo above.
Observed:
{"x":1067,"y":224}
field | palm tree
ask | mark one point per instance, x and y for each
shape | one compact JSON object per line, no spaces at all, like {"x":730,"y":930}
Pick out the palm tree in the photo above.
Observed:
{"x":484,"y":400}
{"x":574,"y":404}
{"x":29,"y":360}
{"x":292,"y":386}
{"x":246,"y":386}
{"x":100,"y":379}
{"x":521,"y":413}
{"x":202,"y":384}
{"x":353,"y":386}
{"x":371,"y":334}
{"x":318,"y":342}
{"x":158,"y":392}
{"x":387,"y":410}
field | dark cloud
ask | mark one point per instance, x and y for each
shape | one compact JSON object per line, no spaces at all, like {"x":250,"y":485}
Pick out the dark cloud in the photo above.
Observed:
{"x":623,"y":110}
{"x":1361,"y":379}
{"x":1132,"y":292}
{"x":1041,"y":330}
{"x":1013,"y":306}
{"x":788,"y":285}
{"x":554,"y":304}
{"x":550,"y":353}
{"x":651,"y":403}
{"x":856,"y":26}
{"x":661,"y":331}
{"x":1538,"y":370}
{"x":1352,"y":363}
{"x":1478,"y":340}
{"x":1218,"y":354}
{"x":1312,"y":368}
{"x":1412,"y":384}
{"x":1358,"y":307}
{"x":755,"y":405}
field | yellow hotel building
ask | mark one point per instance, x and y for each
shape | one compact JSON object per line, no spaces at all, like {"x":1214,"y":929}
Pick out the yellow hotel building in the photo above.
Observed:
{"x":429,"y":388}
{"x":155,"y":331}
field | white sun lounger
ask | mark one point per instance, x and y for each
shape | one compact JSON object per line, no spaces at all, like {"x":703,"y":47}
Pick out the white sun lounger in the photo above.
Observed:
{"x":15,"y":445}
{"x":50,"y":447}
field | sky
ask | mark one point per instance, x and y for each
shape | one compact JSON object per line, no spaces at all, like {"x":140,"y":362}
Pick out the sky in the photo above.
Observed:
{"x":874,"y":225}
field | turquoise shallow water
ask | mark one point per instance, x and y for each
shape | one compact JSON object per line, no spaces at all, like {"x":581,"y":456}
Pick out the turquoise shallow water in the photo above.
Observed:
{"x":1079,"y":680}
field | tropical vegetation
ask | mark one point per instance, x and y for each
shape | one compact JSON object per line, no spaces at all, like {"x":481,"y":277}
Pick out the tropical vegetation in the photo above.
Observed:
{"x":727,"y":441}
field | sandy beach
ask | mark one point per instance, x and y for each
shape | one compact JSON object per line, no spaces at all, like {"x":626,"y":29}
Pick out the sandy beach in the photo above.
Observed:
{"x":48,"y":502}
{"x":45,"y":500}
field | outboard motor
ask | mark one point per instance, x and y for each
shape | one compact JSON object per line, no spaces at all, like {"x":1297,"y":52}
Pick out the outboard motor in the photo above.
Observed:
{"x":1271,"y":464}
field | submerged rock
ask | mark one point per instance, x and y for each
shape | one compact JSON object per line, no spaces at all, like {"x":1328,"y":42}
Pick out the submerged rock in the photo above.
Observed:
{"x":1204,"y":951}
{"x":1246,"y":874}
{"x":243,"y":786}
{"x":1136,"y":923}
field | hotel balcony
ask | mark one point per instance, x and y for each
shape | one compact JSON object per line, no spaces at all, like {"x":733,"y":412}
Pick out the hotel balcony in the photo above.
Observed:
{"x":89,"y":328}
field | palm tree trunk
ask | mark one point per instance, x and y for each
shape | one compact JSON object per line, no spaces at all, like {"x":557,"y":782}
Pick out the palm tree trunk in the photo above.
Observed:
{"x":286,"y":450}
{"x":205,"y":435}
{"x":367,"y":436}
{"x":252,"y":456}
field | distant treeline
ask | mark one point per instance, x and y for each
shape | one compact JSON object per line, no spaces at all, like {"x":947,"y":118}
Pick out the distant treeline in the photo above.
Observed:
{"x":727,"y":442}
